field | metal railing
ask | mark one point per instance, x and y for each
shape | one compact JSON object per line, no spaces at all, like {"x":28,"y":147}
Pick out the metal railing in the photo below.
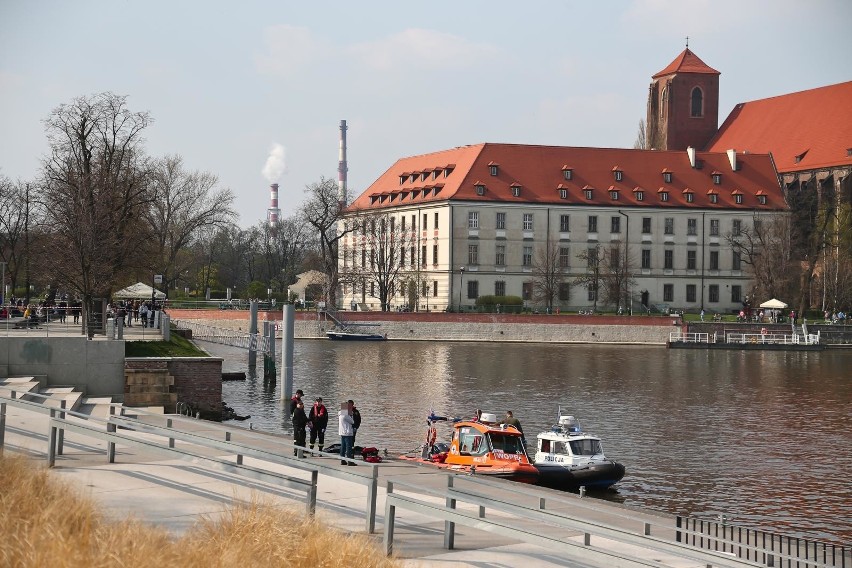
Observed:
{"x":773,"y":338}
{"x":224,"y":336}
{"x":679,"y":337}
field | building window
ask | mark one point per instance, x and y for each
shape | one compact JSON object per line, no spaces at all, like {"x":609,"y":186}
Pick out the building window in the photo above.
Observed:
{"x":668,"y":292}
{"x":526,"y":290}
{"x":713,"y":293}
{"x":500,"y":288}
{"x":472,"y":289}
{"x":501,"y":220}
{"x":690,"y":293}
{"x":528,"y":221}
{"x":667,"y":177}
{"x":738,"y":198}
{"x":413,"y":257}
{"x":402,"y":256}
{"x":516,"y":191}
{"x":690,"y":260}
{"x":564,"y":223}
{"x":717,"y":179}
{"x":736,"y":261}
{"x":668,"y":260}
{"x":614,"y":258}
{"x":736,"y":227}
{"x":493,"y":169}
{"x":592,"y":293}
{"x":425,"y":222}
{"x":690,"y":197}
{"x":588,"y":193}
{"x":736,"y":293}
{"x":668,"y":226}
{"x":435,"y":289}
{"x":473,"y":254}
{"x":615,"y":225}
{"x":714,"y":260}
{"x":714,"y":198}
{"x":500,"y":256}
{"x":697,"y":103}
{"x":664,"y":196}
{"x":435,"y":254}
{"x":527,"y":260}
{"x":691,"y":227}
{"x":363,"y":258}
{"x":714,"y":227}
{"x":593,"y":224}
{"x":646,"y":258}
{"x":564,"y":291}
{"x":761,"y":199}
{"x":592,"y":257}
{"x":480,"y":189}
{"x":402,"y":223}
{"x":640,"y":196}
{"x":472,"y":220}
{"x":564,"y":257}
{"x":619,"y":175}
{"x":423,"y":255}
{"x":563,"y":194}
{"x":758,"y":225}
{"x":613,"y":195}
{"x":646,"y":225}
{"x":436,"y":220}
{"x":568,"y":173}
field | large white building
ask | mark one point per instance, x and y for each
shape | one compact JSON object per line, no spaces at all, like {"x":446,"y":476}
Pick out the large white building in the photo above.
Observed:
{"x":476,"y":217}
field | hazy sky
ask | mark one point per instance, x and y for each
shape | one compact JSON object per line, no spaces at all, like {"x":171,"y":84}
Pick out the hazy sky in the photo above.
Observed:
{"x":228,"y":81}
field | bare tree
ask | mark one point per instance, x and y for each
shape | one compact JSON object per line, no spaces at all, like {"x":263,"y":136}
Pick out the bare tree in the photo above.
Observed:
{"x":617,"y":279}
{"x":186,"y":204}
{"x":322,"y":211}
{"x":283,"y":249}
{"x":766,"y":249}
{"x":593,"y":277}
{"x":14,"y":204}
{"x":547,"y":274}
{"x":641,"y":142}
{"x":376,"y":258}
{"x":95,"y":192}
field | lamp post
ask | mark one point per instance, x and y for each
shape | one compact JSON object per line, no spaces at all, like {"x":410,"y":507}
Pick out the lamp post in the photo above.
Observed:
{"x":624,"y":268}
{"x":461,"y":285}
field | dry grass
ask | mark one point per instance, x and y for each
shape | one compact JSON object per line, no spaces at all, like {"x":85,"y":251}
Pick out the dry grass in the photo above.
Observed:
{"x":47,"y":523}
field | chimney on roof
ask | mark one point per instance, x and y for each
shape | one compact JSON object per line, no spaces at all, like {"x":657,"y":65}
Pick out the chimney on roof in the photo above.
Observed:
{"x":732,"y":157}
{"x":690,"y":151}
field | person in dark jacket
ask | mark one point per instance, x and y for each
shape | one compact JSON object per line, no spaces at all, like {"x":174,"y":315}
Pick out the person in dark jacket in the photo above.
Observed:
{"x":356,"y":418}
{"x":296,"y":399}
{"x":300,"y":421}
{"x":318,"y":418}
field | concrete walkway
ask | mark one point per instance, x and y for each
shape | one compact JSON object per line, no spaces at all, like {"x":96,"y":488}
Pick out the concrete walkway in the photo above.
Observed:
{"x":174,"y":494}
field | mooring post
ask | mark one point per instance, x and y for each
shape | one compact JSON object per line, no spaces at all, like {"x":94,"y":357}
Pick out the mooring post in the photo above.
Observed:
{"x":287,"y":348}
{"x":252,"y":359}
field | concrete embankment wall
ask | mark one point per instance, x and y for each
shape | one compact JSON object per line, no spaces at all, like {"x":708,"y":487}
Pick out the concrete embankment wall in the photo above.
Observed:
{"x":464,"y":327}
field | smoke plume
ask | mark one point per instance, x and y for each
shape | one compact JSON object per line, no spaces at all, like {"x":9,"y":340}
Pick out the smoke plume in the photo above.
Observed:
{"x":275,"y":165}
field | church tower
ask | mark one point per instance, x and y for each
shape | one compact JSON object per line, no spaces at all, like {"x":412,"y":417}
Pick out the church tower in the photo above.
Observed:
{"x":683,"y":105}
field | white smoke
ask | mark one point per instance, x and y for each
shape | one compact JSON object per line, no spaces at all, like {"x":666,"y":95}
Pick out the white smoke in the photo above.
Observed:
{"x":275,"y":165}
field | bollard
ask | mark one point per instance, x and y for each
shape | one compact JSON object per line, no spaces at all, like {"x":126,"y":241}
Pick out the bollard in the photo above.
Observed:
{"x":169,"y":426}
{"x":311,"y":505}
{"x":647,"y":529}
{"x":2,"y":426}
{"x":51,"y":440}
{"x":372,"y":491}
{"x":449,"y":526}
{"x":582,"y":491}
{"x":111,"y":444}
{"x":541,"y":503}
{"x":60,"y":439}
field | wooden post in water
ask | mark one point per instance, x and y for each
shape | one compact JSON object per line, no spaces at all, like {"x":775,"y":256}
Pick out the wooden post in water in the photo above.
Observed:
{"x":252,"y":359}
{"x":288,"y":325}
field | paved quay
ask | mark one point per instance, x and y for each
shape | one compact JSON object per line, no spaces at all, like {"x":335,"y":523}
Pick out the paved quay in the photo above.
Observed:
{"x":175,"y":493}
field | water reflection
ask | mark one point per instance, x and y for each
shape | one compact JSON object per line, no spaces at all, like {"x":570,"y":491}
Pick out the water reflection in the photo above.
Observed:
{"x":762,"y":437}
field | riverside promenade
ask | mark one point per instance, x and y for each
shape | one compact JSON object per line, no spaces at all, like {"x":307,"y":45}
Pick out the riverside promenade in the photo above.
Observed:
{"x":175,"y":493}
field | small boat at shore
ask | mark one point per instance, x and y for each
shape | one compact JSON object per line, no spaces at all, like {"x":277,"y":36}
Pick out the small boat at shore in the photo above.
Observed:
{"x":478,"y":447}
{"x":346,"y":335}
{"x":568,"y":458}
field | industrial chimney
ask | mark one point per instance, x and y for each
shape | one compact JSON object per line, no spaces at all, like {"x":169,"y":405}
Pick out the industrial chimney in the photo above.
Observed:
{"x":273,"y":212}
{"x":342,"y":168}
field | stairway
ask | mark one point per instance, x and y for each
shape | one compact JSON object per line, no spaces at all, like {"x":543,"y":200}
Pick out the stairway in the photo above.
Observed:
{"x":74,"y":399}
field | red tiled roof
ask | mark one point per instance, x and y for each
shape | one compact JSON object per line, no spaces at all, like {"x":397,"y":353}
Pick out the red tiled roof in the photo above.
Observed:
{"x":813,"y":125}
{"x":538,"y":169}
{"x":686,"y":62}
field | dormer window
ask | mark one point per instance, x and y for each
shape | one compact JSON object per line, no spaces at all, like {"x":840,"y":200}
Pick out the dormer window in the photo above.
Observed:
{"x":426,"y":175}
{"x":690,"y":197}
{"x":403,"y":178}
{"x":493,"y":168}
{"x":717,"y":178}
{"x":714,"y":198}
{"x":738,"y":198}
{"x":516,"y":190}
{"x":435,"y":173}
{"x":480,"y":189}
{"x":587,"y":191}
{"x":563,"y":194}
{"x":761,"y":199}
{"x":567,"y":172}
{"x":449,"y":169}
{"x":640,"y":195}
{"x":664,"y":196}
{"x":667,"y":176}
{"x":613,"y":194}
{"x":619,"y":175}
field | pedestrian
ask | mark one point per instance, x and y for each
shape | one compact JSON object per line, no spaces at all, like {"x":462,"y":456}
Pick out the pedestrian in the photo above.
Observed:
{"x":318,"y":419}
{"x":297,"y":398}
{"x":300,"y":422}
{"x":702,"y":315}
{"x":478,"y":416}
{"x":346,"y":430}
{"x":356,"y":421}
{"x":512,"y":421}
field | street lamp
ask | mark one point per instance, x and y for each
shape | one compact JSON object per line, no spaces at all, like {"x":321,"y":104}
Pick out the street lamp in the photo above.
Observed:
{"x":461,"y":285}
{"x":624,"y":268}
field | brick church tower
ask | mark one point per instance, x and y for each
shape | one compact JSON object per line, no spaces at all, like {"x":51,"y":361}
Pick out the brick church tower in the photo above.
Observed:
{"x":683,"y":105}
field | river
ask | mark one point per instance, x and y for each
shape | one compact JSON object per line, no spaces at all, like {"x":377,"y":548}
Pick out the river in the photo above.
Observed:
{"x":761,"y":437}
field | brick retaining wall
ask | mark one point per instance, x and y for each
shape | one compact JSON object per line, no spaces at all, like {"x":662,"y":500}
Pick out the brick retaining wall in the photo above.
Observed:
{"x":165,"y":381}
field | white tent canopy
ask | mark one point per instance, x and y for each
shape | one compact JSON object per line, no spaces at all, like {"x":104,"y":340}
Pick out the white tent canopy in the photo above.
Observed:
{"x":138,"y":291}
{"x":773,"y":304}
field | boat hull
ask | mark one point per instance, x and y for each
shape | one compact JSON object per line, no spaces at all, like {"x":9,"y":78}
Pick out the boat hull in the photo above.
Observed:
{"x":521,"y":473}
{"x":592,"y":476}
{"x":341,"y":336}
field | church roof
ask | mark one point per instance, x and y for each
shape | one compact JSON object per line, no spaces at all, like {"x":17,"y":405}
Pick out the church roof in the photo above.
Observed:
{"x":803,"y":131}
{"x":537,"y":175}
{"x":686,"y":62}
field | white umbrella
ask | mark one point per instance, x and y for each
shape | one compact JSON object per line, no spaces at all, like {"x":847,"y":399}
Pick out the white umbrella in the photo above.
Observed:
{"x":773,"y":304}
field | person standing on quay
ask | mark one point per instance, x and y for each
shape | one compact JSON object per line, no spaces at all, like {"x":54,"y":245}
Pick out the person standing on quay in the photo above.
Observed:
{"x":297,"y":398}
{"x":318,"y":418}
{"x":300,"y":421}
{"x":356,"y":423}
{"x":346,"y":429}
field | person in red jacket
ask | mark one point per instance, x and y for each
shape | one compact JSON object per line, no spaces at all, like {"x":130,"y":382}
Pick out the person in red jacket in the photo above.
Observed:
{"x":318,"y":419}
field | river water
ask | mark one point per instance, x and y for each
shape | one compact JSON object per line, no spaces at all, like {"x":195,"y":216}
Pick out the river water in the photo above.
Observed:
{"x":764,"y":438}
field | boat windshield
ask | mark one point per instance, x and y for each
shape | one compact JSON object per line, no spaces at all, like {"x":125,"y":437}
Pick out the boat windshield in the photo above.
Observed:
{"x":586,"y":447}
{"x":506,"y":444}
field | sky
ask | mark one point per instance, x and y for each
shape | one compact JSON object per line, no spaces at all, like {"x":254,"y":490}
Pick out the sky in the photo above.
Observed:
{"x":254,"y":92}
